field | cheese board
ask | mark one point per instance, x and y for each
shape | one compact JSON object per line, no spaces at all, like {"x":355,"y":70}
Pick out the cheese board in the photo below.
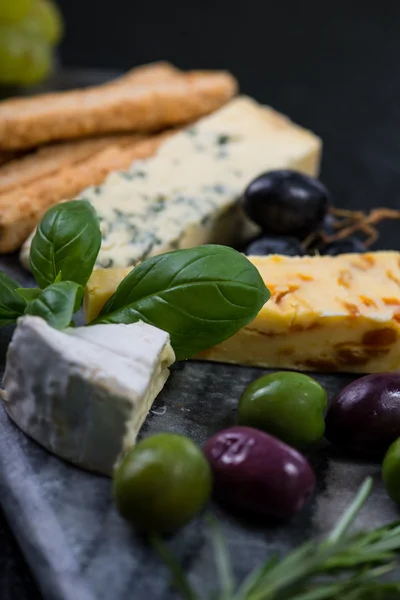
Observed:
{"x":79,"y":547}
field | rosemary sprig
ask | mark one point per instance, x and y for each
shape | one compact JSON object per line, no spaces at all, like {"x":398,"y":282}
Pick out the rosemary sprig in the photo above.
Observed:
{"x":223,"y":562}
{"x":350,"y":513}
{"x":178,"y":575}
{"x":358,"y":561}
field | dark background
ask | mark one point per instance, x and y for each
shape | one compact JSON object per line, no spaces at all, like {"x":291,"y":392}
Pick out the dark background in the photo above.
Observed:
{"x":332,"y":66}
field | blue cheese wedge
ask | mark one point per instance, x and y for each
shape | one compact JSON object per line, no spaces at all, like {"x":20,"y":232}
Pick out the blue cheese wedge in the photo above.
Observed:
{"x":187,"y":194}
{"x":84,"y":393}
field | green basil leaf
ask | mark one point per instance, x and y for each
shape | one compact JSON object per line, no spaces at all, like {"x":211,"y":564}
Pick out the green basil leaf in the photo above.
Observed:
{"x":29,"y":294}
{"x":12,"y":305}
{"x":67,"y":239}
{"x":200,"y":296}
{"x":57,"y":303}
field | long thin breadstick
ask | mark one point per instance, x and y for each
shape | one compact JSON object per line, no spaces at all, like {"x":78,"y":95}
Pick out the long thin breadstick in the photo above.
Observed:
{"x":22,"y":208}
{"x":183,"y":98}
{"x":54,"y":157}
{"x":6,"y":156}
{"x":145,"y":75}
{"x":16,"y":170}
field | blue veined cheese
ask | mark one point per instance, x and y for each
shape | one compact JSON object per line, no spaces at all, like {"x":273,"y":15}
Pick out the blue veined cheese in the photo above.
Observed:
{"x":84,"y":393}
{"x":187,"y":194}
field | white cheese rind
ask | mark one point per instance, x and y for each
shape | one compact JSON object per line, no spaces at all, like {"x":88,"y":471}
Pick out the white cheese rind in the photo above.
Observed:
{"x":187,"y":194}
{"x":136,"y":341}
{"x":80,"y":400}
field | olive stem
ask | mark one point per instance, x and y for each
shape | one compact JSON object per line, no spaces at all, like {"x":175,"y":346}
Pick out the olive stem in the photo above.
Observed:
{"x":348,"y":517}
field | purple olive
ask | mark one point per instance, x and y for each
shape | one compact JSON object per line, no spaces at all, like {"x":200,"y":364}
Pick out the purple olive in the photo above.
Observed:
{"x":365,"y":417}
{"x":258,"y":475}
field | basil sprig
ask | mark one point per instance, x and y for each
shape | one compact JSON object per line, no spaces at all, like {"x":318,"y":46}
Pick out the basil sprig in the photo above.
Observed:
{"x":67,"y":241}
{"x":200,"y":296}
{"x":63,"y":253}
{"x":29,"y":294}
{"x":57,"y":303}
{"x":12,"y":305}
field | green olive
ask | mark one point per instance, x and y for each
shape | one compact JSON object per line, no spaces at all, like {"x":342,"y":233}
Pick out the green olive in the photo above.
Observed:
{"x":287,"y":405}
{"x":391,"y":471}
{"x":162,"y":483}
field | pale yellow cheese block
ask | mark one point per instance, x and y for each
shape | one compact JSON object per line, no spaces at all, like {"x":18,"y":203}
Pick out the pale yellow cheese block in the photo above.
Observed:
{"x":325,"y":314}
{"x":100,"y":287}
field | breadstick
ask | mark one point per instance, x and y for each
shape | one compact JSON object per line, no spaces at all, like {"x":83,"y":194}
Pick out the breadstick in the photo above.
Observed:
{"x":22,"y":208}
{"x":54,"y":157}
{"x":29,"y":122}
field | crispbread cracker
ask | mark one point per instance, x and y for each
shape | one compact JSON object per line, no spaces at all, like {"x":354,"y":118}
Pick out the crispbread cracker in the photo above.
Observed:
{"x":22,"y":208}
{"x":183,"y":98}
{"x":47,"y":160}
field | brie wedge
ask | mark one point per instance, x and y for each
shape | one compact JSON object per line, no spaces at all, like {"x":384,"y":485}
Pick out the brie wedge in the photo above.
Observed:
{"x":84,"y":393}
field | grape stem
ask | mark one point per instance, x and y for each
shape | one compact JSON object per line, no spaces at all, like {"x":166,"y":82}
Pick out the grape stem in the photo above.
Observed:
{"x":349,"y":222}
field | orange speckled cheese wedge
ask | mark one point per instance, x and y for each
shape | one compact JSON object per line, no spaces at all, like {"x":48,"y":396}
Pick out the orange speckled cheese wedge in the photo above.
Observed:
{"x":326,"y":313}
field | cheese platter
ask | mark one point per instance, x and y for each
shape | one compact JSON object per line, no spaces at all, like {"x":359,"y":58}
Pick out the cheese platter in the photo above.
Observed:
{"x":295,"y":315}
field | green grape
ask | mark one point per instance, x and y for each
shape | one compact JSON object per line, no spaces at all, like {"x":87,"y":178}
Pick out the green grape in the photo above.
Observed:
{"x":44,"y":21}
{"x":23,"y":59}
{"x":14,"y":10}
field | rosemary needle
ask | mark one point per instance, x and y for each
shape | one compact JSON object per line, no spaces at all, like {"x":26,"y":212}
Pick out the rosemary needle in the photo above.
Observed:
{"x":359,"y":561}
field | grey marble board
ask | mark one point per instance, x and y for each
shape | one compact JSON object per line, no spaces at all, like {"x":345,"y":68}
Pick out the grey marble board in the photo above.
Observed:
{"x":80,"y":549}
{"x":77,"y":546}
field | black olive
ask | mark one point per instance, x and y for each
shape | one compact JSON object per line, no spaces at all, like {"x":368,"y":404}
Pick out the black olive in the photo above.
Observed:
{"x":328,"y":225}
{"x":265,"y":244}
{"x":286,"y":203}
